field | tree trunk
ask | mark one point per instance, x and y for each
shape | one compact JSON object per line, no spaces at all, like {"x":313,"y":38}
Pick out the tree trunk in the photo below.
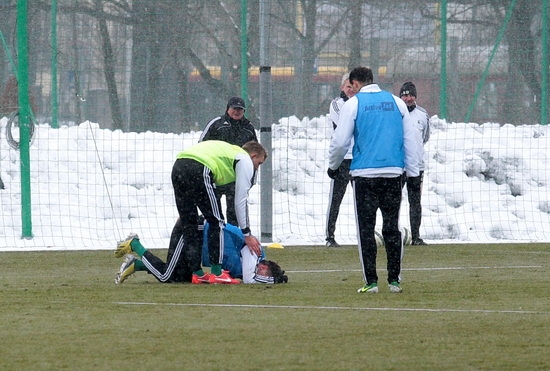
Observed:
{"x":139,"y":87}
{"x":355,"y":34}
{"x":522,"y":62}
{"x":109,"y":70}
{"x":310,"y":106}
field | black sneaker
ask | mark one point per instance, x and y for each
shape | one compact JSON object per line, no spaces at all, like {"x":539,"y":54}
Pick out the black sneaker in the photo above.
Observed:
{"x":418,"y":242}
{"x":332,"y":243}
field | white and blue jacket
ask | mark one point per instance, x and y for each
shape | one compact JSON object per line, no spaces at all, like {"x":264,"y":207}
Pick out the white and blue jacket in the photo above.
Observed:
{"x":364,"y":119}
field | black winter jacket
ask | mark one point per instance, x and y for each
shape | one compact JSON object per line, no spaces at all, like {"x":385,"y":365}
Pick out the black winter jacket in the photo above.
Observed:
{"x":229,"y":130}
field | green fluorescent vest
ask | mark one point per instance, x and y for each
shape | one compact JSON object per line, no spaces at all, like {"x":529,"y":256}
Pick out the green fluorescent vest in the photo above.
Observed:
{"x":216,"y":155}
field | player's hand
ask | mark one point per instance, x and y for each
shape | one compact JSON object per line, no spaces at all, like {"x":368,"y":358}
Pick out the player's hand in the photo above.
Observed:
{"x":332,"y":173}
{"x":253,"y":244}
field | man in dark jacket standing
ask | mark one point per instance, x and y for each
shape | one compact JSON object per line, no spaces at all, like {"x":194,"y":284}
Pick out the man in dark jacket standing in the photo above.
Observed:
{"x":235,"y":129}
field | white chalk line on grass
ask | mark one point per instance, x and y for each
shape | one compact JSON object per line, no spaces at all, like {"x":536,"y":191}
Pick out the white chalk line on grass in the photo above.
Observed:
{"x":384,"y":309}
{"x":440,"y":310}
{"x":423,"y":269}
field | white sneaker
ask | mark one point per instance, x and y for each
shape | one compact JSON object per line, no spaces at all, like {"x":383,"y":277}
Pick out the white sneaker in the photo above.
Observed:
{"x":126,"y":269}
{"x":395,"y":288}
{"x":371,"y":289}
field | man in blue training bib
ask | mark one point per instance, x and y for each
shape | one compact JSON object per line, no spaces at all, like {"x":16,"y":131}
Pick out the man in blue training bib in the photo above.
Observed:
{"x":385,"y":144}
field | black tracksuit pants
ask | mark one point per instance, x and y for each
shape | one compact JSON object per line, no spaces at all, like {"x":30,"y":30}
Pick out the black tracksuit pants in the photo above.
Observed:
{"x":338,"y":187}
{"x":229,"y":191}
{"x":370,"y":195}
{"x":414,"y":191}
{"x":176,"y":268}
{"x":194,"y":188}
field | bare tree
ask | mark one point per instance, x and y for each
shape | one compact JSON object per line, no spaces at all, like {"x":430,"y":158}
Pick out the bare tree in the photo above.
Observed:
{"x":356,"y":15}
{"x":109,"y":67}
{"x":186,"y":54}
{"x":522,"y":59}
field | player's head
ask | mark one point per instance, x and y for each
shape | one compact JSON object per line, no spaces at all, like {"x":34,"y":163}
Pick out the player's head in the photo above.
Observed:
{"x":360,"y":76}
{"x":257,"y":152}
{"x":268,"y":271}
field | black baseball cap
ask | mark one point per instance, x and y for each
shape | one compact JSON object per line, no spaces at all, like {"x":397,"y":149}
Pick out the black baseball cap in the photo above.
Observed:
{"x":236,"y":102}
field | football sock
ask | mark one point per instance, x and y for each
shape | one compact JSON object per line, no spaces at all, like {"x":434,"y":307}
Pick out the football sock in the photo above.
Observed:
{"x":216,"y":269}
{"x":139,"y":266}
{"x":137,"y":247}
{"x":199,"y":273}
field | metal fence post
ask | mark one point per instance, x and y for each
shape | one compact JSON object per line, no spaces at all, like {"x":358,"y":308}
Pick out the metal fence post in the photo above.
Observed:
{"x":266,"y":120}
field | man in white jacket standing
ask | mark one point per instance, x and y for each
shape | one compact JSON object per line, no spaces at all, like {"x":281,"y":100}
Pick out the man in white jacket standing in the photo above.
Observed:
{"x":339,"y":184}
{"x":421,"y":120}
{"x":385,"y":144}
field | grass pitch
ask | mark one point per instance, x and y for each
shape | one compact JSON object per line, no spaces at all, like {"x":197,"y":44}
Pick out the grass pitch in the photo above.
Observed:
{"x":475,"y":307}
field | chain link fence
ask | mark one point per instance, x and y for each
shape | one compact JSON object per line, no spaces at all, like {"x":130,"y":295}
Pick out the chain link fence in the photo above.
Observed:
{"x":169,"y":66}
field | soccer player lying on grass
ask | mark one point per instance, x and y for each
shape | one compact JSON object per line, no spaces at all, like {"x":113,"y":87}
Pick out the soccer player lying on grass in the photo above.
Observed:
{"x":238,"y":260}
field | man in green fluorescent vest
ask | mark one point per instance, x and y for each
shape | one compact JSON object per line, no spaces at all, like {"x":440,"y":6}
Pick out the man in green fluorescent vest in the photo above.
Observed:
{"x":197,"y":172}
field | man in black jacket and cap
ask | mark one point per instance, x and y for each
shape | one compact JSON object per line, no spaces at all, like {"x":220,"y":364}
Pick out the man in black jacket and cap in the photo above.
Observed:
{"x":232,"y":128}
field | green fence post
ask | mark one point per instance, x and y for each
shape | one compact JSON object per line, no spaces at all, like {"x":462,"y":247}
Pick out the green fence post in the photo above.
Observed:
{"x":54,"y":97}
{"x":544,"y":65}
{"x":24,"y":117}
{"x":443,"y":72}
{"x":8,"y":53}
{"x":491,"y":57}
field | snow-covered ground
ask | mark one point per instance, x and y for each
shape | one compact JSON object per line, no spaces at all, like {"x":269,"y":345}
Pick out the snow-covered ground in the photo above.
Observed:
{"x":90,"y":187}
